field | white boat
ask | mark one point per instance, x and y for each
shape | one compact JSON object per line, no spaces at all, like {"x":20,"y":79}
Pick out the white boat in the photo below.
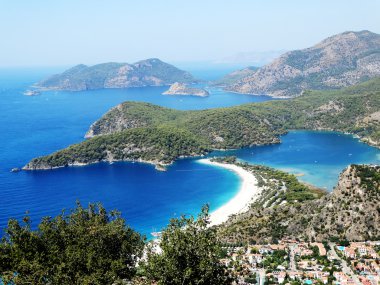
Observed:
{"x":31,"y":93}
{"x":156,"y":234}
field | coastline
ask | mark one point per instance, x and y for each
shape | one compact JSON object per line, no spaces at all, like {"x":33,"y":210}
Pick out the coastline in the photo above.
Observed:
{"x":248,"y":192}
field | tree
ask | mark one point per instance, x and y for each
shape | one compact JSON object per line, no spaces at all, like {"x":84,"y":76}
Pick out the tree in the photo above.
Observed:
{"x":188,"y":255}
{"x":87,"y":246}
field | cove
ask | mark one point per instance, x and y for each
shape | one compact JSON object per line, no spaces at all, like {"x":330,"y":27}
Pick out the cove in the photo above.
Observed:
{"x":35,"y":126}
{"x":316,"y":157}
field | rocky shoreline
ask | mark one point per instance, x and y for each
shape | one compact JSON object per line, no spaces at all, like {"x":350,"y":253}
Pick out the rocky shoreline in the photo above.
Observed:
{"x":182,"y":89}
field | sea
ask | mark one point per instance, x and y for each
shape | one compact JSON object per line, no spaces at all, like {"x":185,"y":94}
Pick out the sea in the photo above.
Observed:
{"x":32,"y":126}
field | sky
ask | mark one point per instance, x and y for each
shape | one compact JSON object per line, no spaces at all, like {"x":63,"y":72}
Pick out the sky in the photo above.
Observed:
{"x":67,"y":32}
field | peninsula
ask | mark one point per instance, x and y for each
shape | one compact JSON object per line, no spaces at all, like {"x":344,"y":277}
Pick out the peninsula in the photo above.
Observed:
{"x":182,"y":89}
{"x":135,"y":131}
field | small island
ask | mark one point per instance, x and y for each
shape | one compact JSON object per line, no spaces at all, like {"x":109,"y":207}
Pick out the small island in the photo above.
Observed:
{"x":182,"y":89}
{"x":148,"y":72}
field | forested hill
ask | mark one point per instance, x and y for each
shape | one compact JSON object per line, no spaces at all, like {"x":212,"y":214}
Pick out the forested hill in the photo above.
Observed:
{"x":149,"y":72}
{"x":145,"y":132}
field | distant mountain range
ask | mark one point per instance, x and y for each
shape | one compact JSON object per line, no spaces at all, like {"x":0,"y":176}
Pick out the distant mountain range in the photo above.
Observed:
{"x":338,"y":61}
{"x":149,"y":72}
{"x":256,"y":58}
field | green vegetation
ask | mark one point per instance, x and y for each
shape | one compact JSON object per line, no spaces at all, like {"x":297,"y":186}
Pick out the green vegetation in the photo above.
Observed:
{"x":338,"y":216}
{"x":190,"y":255}
{"x":277,"y":258}
{"x":279,"y":186}
{"x":370,"y":178}
{"x":89,"y":246}
{"x":283,"y":186}
{"x":160,"y":145}
{"x":145,"y":131}
{"x":86,"y":246}
{"x":149,"y":72}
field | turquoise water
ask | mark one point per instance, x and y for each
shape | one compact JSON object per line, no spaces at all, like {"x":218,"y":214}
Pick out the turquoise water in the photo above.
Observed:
{"x":34,"y":126}
{"x":317,"y":157}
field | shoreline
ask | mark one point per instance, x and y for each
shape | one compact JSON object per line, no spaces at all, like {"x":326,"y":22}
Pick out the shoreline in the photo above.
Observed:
{"x":248,"y":192}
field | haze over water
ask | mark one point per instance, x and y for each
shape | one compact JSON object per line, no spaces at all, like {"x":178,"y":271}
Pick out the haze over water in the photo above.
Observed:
{"x":34,"y":126}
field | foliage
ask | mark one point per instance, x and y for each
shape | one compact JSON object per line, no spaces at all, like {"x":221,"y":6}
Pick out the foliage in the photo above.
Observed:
{"x":189,"y":254}
{"x":283,"y":187}
{"x":369,"y":177}
{"x":150,"y":72}
{"x":278,"y":257}
{"x":336,"y":216}
{"x":86,"y":246}
{"x":159,"y":144}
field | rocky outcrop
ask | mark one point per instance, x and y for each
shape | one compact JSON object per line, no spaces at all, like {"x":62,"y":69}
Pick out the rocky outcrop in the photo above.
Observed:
{"x":339,"y":61}
{"x":150,"y":72}
{"x":182,"y":89}
{"x":350,"y":212}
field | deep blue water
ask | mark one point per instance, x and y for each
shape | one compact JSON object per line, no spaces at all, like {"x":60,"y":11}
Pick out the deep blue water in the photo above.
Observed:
{"x":34,"y":126}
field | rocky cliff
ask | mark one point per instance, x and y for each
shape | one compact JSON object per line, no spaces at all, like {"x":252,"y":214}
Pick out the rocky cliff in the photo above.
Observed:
{"x":338,"y":61}
{"x":150,"y":72}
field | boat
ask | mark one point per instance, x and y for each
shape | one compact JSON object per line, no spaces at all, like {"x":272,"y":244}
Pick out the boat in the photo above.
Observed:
{"x":156,"y":234}
{"x":31,"y":93}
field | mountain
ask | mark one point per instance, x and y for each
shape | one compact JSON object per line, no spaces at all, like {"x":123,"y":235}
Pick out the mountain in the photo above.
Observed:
{"x":149,"y":72}
{"x":338,"y":61}
{"x":145,"y":132}
{"x":257,"y":58}
{"x":235,"y":76}
{"x":350,"y":212}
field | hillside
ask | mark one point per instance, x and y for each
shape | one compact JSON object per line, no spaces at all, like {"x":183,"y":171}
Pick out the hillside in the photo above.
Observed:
{"x":235,"y":76}
{"x":338,"y":61}
{"x":127,"y":131}
{"x":149,"y":72}
{"x":350,"y":212}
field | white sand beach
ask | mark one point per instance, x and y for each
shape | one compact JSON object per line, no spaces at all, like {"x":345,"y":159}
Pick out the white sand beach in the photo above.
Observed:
{"x":248,"y":192}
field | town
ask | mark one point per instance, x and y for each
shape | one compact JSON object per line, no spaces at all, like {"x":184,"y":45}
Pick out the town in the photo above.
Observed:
{"x":296,"y":262}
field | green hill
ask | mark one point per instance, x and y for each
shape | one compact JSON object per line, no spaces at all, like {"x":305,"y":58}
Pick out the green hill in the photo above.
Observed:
{"x":130,"y":130}
{"x":149,"y":72}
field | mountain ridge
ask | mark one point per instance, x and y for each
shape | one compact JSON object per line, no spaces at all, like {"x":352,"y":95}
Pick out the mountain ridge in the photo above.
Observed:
{"x":338,"y":61}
